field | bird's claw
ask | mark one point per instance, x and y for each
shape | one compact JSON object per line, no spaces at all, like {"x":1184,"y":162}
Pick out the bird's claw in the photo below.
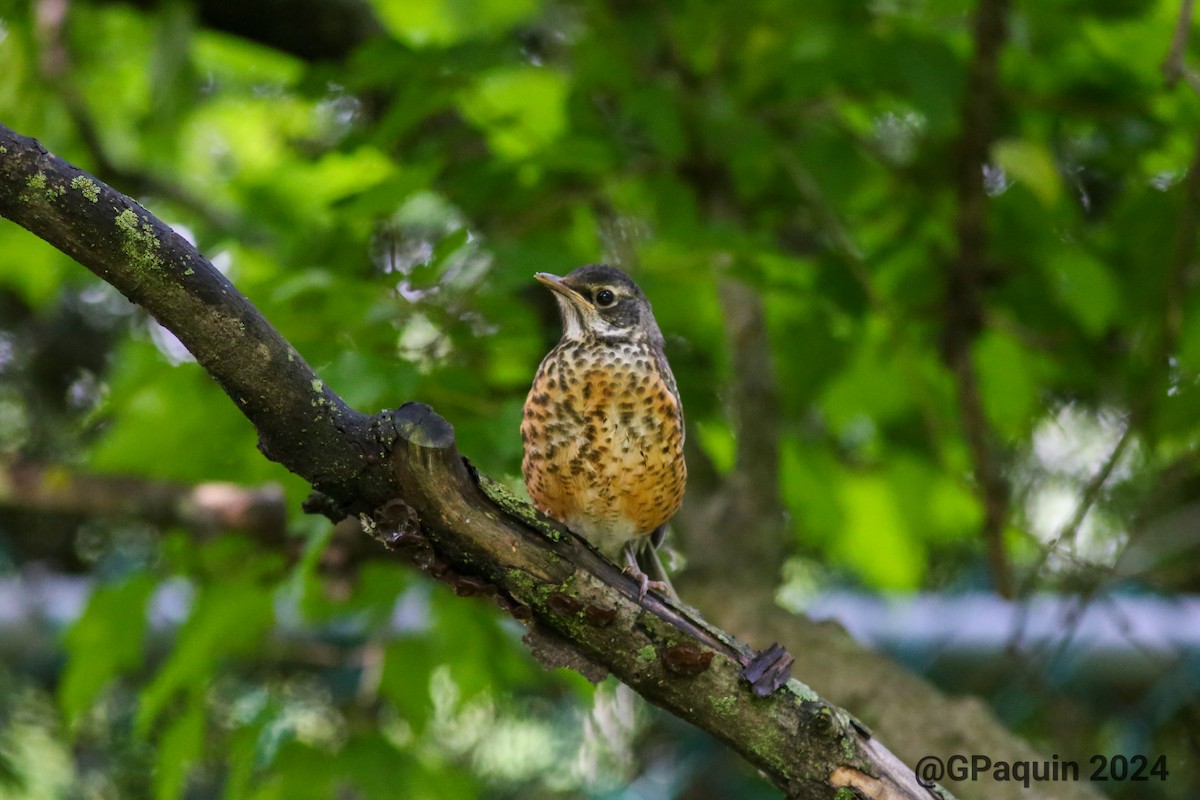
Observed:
{"x":644,"y":582}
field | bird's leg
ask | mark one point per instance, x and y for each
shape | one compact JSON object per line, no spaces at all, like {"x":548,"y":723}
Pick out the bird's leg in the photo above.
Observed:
{"x":635,"y":571}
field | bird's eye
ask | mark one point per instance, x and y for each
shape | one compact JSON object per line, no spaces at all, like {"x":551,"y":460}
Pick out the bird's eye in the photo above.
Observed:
{"x":605,"y":298}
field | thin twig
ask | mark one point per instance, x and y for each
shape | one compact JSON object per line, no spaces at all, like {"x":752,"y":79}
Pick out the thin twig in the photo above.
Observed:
{"x":1175,"y":65}
{"x":1091,"y":491}
{"x":1087,"y":500}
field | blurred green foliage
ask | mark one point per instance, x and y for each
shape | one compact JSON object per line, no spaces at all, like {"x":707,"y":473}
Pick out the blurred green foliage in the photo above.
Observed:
{"x":386,"y":211}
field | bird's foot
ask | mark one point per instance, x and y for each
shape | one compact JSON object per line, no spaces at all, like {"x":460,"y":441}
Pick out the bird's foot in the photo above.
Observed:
{"x":644,"y":582}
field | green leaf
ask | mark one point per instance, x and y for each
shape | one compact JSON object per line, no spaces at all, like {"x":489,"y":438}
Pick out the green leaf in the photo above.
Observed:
{"x":718,"y":442}
{"x":874,"y":540}
{"x":939,"y":508}
{"x":1084,"y":286}
{"x":810,"y":480}
{"x":180,"y":747}
{"x":1008,"y":385}
{"x":228,"y":619}
{"x":11,"y":775}
{"x":1189,"y":342}
{"x":521,"y":109}
{"x":952,"y":509}
{"x":443,"y":22}
{"x":107,"y":640}
{"x":1031,"y":164}
{"x":161,"y":412}
{"x":872,"y":387}
{"x":31,"y":267}
{"x":653,"y":109}
{"x":237,"y":58}
{"x":407,"y":666}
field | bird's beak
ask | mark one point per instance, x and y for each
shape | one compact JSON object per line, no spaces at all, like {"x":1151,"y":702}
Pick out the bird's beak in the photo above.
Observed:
{"x":556,"y":285}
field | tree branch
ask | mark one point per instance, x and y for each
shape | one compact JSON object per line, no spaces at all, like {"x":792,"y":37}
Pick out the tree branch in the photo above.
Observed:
{"x":457,"y":524}
{"x":1175,"y":65}
{"x":969,"y":274}
{"x":1087,"y":500}
{"x":205,"y":508}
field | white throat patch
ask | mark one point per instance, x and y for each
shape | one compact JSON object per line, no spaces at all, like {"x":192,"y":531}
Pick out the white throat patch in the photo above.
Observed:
{"x":572,"y":325}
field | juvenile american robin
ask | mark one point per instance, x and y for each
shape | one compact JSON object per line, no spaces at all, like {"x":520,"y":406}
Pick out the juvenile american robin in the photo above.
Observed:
{"x":603,"y":425}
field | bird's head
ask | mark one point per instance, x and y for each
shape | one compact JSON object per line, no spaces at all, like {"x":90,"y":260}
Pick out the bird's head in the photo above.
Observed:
{"x":602,"y":303}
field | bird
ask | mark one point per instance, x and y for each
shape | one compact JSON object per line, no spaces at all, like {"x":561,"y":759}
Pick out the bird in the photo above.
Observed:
{"x":602,"y":426}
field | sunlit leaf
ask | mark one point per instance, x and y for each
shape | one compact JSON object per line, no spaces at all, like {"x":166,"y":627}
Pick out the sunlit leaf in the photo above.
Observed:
{"x":31,"y":268}
{"x":442,"y":22}
{"x":874,"y":541}
{"x":1031,"y":164}
{"x":521,"y":109}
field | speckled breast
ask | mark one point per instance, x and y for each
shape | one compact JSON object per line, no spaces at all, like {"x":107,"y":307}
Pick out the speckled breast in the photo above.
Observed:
{"x":603,"y":435}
